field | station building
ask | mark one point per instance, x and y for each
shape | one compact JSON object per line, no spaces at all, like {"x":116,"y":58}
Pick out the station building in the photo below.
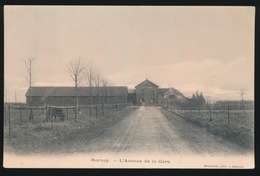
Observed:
{"x":145,"y":93}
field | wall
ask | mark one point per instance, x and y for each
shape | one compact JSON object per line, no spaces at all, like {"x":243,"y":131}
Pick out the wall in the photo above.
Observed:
{"x":145,"y":93}
{"x":71,"y":101}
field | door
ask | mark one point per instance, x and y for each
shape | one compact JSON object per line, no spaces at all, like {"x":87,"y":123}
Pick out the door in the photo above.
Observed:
{"x":151,"y":101}
{"x":147,"y":95}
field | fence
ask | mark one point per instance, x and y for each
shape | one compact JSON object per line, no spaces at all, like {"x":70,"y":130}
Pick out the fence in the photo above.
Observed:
{"x":19,"y":115}
{"x":233,"y":125}
{"x":225,"y":117}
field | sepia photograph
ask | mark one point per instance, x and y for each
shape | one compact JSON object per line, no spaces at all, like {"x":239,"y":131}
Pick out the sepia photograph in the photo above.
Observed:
{"x":129,"y":87}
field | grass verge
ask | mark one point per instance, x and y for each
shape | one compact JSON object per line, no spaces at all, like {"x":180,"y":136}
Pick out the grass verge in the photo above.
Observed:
{"x":62,"y":137}
{"x":240,"y":129}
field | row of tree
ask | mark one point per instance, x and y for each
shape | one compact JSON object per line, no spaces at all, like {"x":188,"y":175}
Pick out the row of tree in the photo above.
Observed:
{"x":234,"y":104}
{"x":199,"y":102}
{"x":79,"y":71}
{"x":197,"y":99}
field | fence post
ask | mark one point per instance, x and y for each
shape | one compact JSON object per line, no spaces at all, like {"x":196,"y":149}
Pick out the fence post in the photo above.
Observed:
{"x":228,"y":115}
{"x":67,"y":113}
{"x":96,"y":111}
{"x":103,"y":109}
{"x":46,"y":113}
{"x":89,"y":113}
{"x":51,"y":121}
{"x":21,"y":115}
{"x":210,"y":113}
{"x":86,"y":111}
{"x":75,"y":113}
{"x":9,"y":115}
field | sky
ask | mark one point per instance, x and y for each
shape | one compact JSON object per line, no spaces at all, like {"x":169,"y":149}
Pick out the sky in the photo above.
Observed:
{"x":210,"y":49}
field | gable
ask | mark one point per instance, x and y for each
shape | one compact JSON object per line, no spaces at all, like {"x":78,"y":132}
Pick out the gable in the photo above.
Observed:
{"x":174,"y":92}
{"x":162,"y":90}
{"x":146,"y":83}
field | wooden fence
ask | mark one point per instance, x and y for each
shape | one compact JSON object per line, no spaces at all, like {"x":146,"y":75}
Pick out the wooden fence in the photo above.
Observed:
{"x":19,"y":115}
{"x":211,"y":114}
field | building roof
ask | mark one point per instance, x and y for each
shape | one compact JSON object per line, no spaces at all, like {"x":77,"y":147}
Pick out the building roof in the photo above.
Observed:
{"x":147,"y":82}
{"x":70,"y":91}
{"x":175,"y":92}
{"x":162,"y":90}
{"x":131,"y":91}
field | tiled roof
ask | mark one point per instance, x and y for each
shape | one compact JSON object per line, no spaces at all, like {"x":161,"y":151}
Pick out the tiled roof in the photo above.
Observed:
{"x":70,"y":91}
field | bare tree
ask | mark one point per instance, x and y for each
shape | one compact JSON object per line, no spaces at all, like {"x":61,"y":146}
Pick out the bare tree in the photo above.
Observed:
{"x":97,"y":81}
{"x":242,"y":93}
{"x":89,"y":77}
{"x":104,"y":93}
{"x":76,"y":70}
{"x":104,"y":87}
{"x":28,"y":66}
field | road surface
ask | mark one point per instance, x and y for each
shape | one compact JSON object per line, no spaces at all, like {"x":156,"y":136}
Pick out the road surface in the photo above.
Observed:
{"x":148,"y":131}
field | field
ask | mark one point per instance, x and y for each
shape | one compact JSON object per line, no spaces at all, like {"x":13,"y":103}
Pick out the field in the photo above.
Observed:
{"x":41,"y":136}
{"x":235,"y":125}
{"x":58,"y":137}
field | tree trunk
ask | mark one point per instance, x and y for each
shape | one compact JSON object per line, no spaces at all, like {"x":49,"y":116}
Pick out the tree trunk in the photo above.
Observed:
{"x":76,"y":86}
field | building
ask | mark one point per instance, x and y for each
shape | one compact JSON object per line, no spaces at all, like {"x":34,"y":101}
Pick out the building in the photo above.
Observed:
{"x":145,"y":93}
{"x":148,"y":93}
{"x":131,"y":96}
{"x":174,"y":98}
{"x":66,"y":96}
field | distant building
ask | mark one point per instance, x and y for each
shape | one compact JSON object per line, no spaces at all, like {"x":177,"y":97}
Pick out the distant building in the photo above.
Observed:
{"x":174,"y":98}
{"x":65,"y":96}
{"x":131,"y":96}
{"x":145,"y":93}
{"x":148,"y":93}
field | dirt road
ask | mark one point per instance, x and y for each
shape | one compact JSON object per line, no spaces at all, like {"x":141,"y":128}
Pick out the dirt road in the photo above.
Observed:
{"x":145,"y":138}
{"x":148,"y":131}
